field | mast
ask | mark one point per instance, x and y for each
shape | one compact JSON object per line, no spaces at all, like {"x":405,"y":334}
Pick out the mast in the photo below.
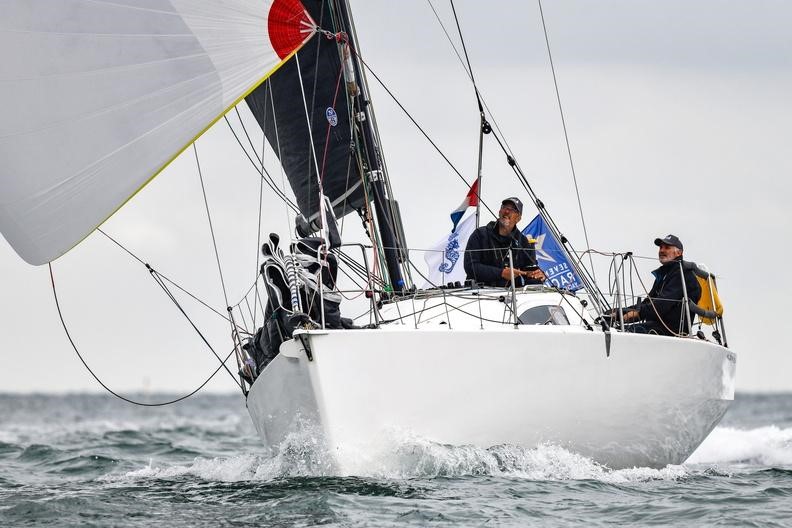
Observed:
{"x":388,"y":218}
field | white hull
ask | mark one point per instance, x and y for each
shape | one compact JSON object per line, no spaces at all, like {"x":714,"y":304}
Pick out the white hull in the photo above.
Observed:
{"x":651,"y":402}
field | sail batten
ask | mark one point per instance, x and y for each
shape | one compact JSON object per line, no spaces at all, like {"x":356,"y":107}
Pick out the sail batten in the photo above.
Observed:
{"x":93,"y":112}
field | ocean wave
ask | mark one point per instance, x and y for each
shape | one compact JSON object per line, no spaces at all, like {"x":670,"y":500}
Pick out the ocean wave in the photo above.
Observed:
{"x":230,"y":469}
{"x":768,"y":446}
{"x":86,"y":430}
{"x":397,"y":455}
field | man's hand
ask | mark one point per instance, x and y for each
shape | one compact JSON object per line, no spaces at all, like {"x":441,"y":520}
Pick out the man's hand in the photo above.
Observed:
{"x":535,"y":274}
{"x":507,"y":273}
{"x":631,"y":316}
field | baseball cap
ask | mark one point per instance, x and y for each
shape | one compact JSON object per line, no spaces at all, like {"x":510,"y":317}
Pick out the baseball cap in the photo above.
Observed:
{"x":670,"y":240}
{"x":514,"y":201}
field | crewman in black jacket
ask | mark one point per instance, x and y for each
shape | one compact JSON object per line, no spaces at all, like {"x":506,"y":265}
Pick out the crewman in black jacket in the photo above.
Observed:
{"x":663,"y":311}
{"x":487,"y":251}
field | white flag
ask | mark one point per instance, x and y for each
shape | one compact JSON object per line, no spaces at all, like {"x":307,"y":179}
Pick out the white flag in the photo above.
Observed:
{"x":446,"y":259}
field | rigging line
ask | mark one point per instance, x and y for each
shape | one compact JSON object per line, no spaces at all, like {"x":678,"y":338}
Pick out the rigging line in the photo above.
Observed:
{"x":98,"y":380}
{"x":380,"y":161}
{"x":280,"y":157}
{"x":420,"y":274}
{"x":352,"y":269}
{"x":155,"y":275}
{"x":329,"y":126}
{"x":371,"y":153}
{"x":211,"y":227}
{"x":483,"y":125}
{"x":566,"y":137}
{"x":324,"y":157}
{"x":117,"y":243}
{"x":250,"y":311}
{"x":250,"y":289}
{"x":344,"y":211}
{"x":164,"y":277}
{"x":359,"y":153}
{"x":462,"y":62}
{"x":610,"y":254}
{"x":261,"y":201}
{"x":244,"y":321}
{"x":258,"y":298}
{"x":657,"y":313}
{"x":261,"y":195}
{"x":467,"y":58}
{"x":589,"y":281}
{"x":379,"y":148}
{"x":442,"y":26}
{"x":244,"y":129}
{"x":391,"y":220}
{"x":420,"y":129}
{"x":258,"y":239}
{"x":262,"y":170}
{"x":361,"y":289}
{"x":309,"y":123}
{"x":263,"y":173}
{"x":354,"y":265}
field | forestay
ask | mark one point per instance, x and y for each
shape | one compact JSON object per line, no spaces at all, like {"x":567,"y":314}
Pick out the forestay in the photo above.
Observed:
{"x":108,"y":92}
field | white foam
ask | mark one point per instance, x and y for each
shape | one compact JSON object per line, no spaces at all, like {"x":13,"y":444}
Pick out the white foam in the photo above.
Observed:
{"x":230,"y":469}
{"x":765,"y":446}
{"x":401,"y":455}
{"x":404,"y":457}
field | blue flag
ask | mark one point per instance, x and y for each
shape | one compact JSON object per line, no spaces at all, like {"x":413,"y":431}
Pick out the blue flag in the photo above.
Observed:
{"x":552,"y":260}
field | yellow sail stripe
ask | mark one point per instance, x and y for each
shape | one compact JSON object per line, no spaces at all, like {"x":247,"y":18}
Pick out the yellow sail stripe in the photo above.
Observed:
{"x":193,"y":140}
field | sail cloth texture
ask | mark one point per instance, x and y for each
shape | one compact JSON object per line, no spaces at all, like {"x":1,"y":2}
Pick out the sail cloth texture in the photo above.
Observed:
{"x":281,"y":112}
{"x":99,"y":95}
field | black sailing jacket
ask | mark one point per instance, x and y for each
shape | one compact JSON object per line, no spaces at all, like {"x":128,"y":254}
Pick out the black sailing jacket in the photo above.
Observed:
{"x":487,"y":253}
{"x":664,"y":302}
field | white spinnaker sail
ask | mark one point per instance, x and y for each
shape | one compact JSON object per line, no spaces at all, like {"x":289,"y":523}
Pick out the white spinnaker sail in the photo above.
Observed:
{"x":97,"y":96}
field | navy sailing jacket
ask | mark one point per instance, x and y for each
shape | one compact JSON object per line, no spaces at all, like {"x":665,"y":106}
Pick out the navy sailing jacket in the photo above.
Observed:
{"x":664,"y":302}
{"x":487,"y":253}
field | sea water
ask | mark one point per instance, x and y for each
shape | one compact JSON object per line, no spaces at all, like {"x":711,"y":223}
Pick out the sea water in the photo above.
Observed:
{"x":91,"y":460}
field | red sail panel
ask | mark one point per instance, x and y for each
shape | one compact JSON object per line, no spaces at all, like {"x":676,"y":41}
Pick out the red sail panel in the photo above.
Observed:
{"x":289,"y":25}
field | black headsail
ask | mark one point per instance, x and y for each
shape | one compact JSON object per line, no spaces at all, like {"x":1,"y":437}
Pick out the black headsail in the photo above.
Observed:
{"x":345,"y":152}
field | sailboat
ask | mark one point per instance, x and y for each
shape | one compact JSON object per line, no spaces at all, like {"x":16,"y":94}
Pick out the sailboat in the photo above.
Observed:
{"x":138,"y":82}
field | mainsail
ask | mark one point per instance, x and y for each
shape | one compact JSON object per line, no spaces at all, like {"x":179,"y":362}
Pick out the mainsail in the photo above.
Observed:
{"x":108,"y":92}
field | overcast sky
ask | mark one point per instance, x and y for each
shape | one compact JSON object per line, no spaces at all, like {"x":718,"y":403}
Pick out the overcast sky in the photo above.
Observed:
{"x":678,"y":116}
